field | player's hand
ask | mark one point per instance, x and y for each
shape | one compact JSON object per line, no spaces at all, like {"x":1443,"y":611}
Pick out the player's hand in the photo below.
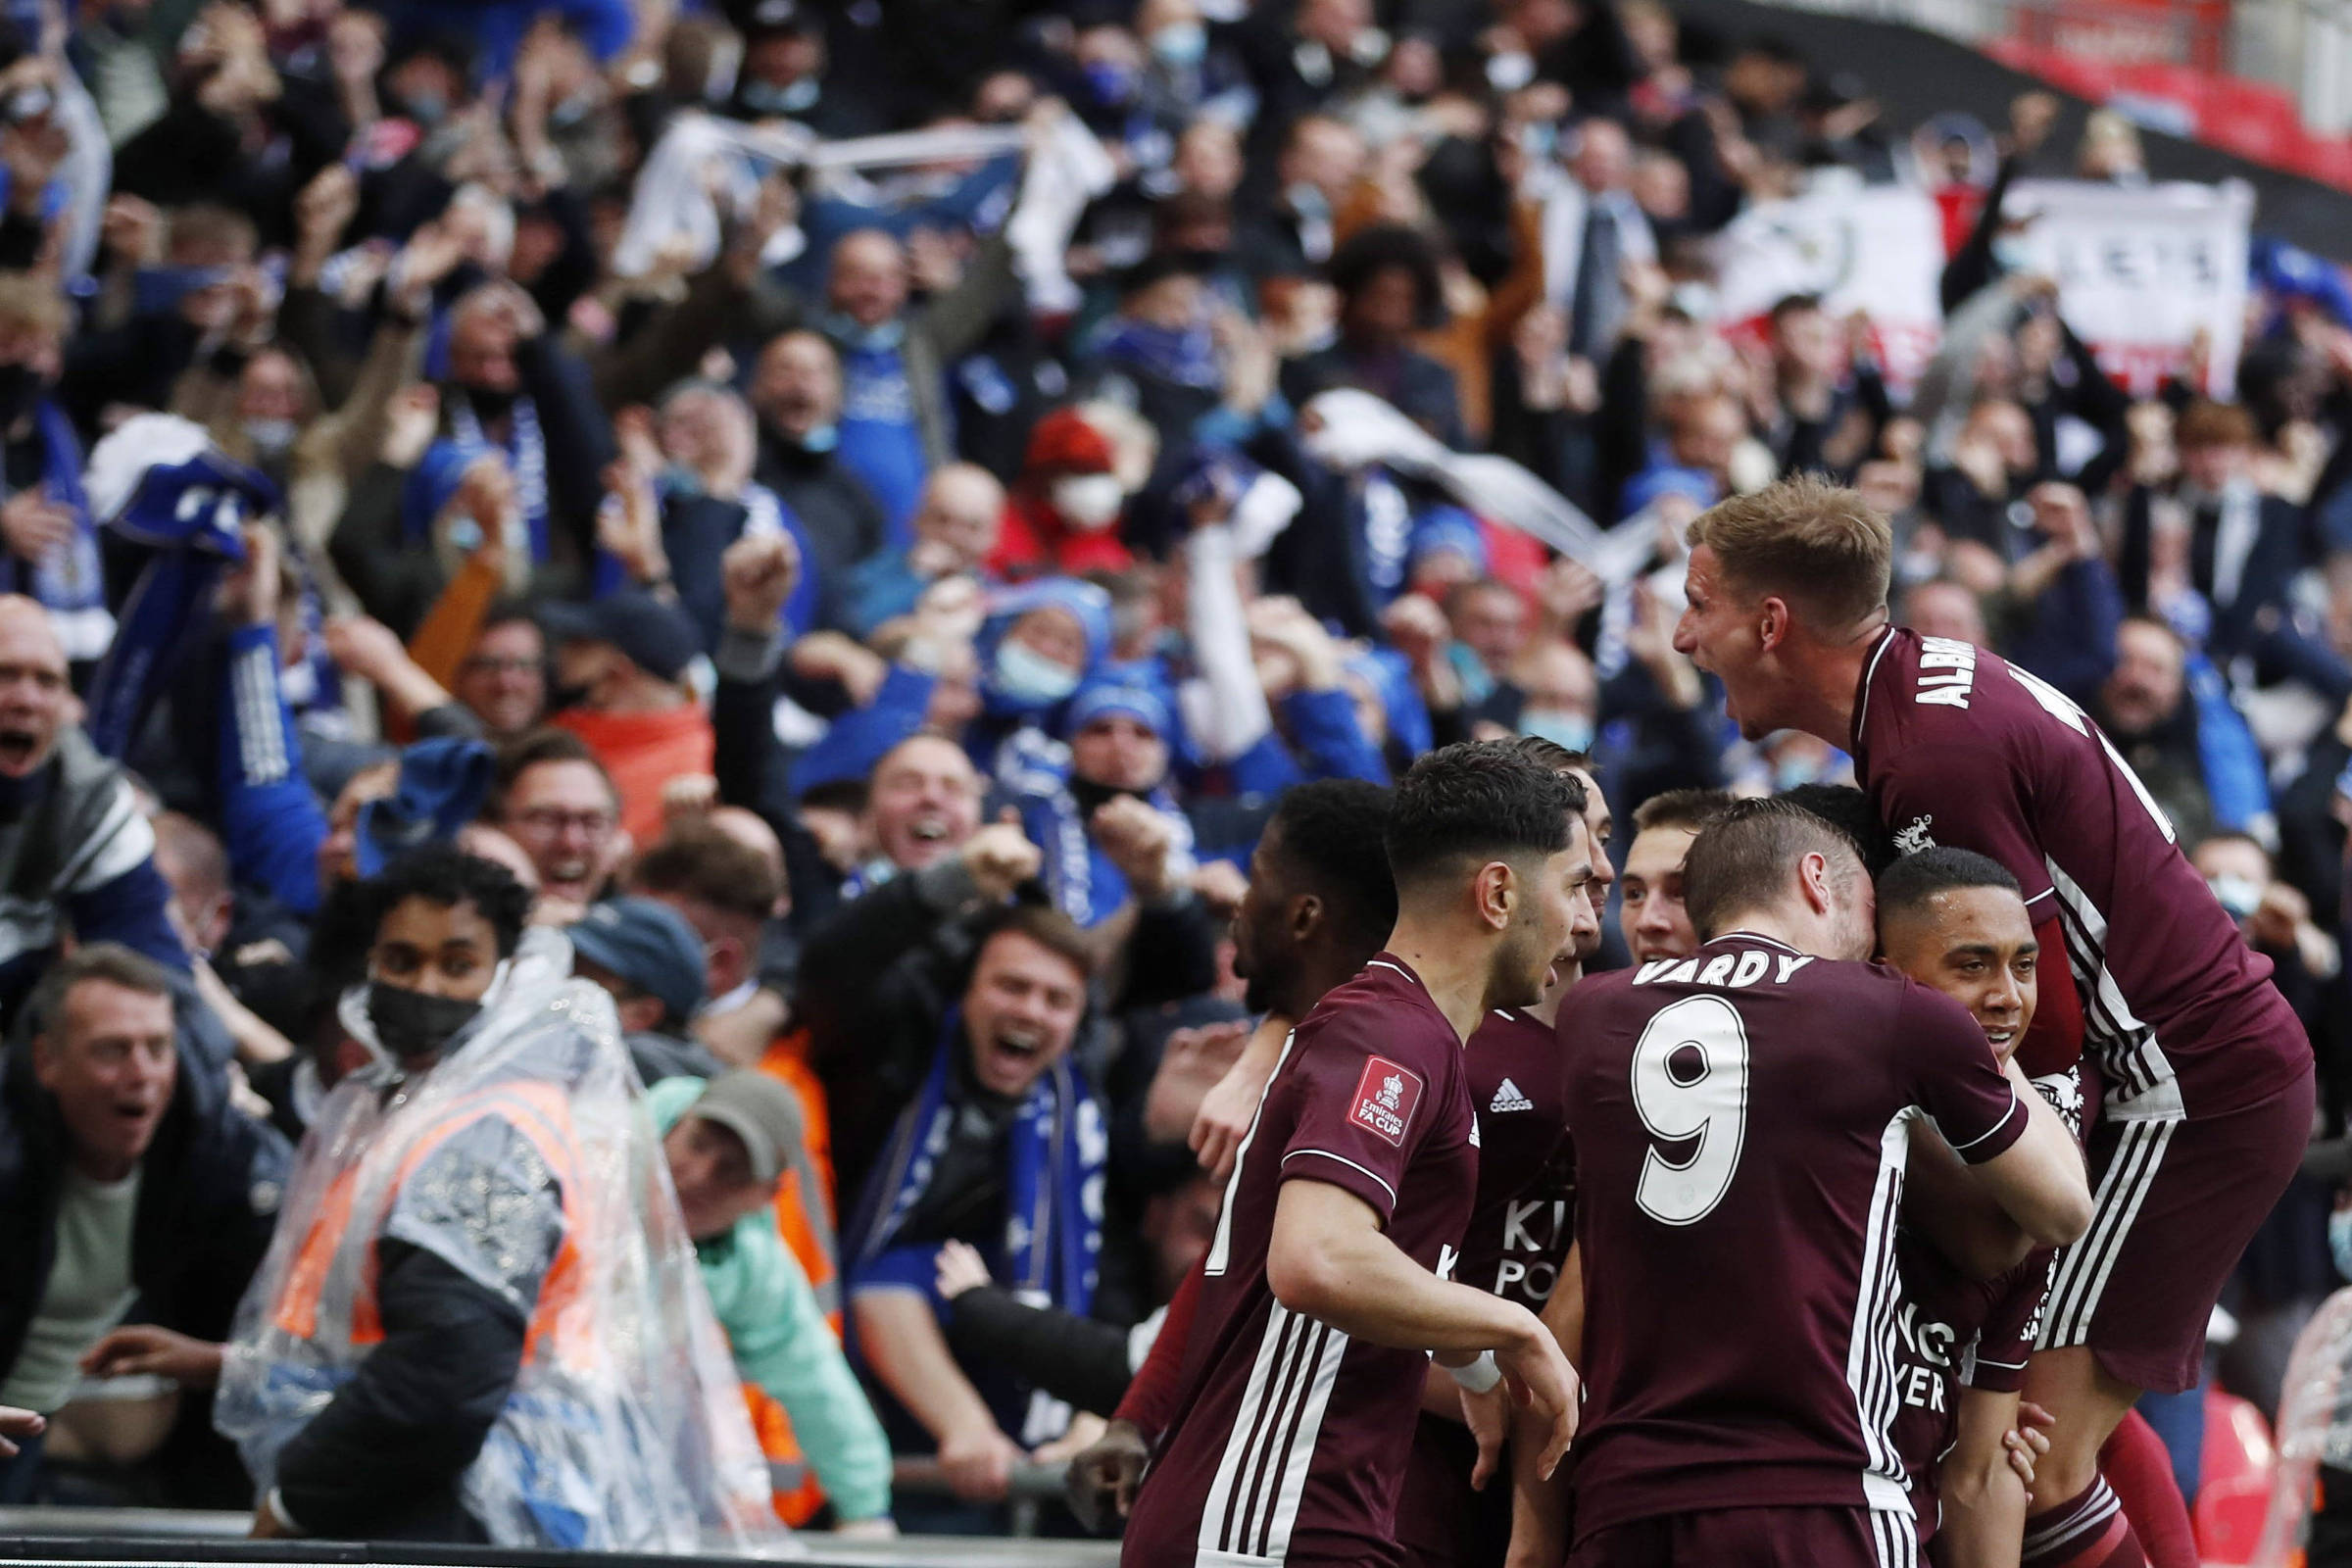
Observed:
{"x":759,"y":572}
{"x":1229,"y":1107}
{"x":149,"y":1349}
{"x":978,"y":1463}
{"x":2024,"y":1444}
{"x":1487,"y":1416}
{"x":1103,"y":1478}
{"x":1000,"y":858}
{"x":1541,"y":1380}
{"x":16,"y":1425}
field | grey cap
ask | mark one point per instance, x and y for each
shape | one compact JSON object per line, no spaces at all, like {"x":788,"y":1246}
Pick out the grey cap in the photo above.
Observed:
{"x":759,"y":1109}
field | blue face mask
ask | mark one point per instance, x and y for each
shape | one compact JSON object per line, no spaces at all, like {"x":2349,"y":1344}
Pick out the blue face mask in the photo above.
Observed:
{"x":823,"y":438}
{"x":863,"y":339}
{"x":1180,"y":43}
{"x":2011,"y":253}
{"x":2339,"y":1241}
{"x":1029,"y":677}
{"x":1558,"y":726}
{"x":767,"y":98}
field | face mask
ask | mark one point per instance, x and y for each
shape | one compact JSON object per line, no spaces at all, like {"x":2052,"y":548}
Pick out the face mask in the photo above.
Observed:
{"x":2339,"y":1241}
{"x":876,"y":339}
{"x":411,"y":1024}
{"x":1111,"y":83}
{"x":2238,"y":896}
{"x":19,"y":390}
{"x":428,"y":108}
{"x":269,"y":437}
{"x":823,"y":439}
{"x":1540,"y":140}
{"x":1026,"y":675}
{"x":1090,"y":501}
{"x":1307,"y":201}
{"x":1790,"y":772}
{"x":490,"y":403}
{"x":680,"y":480}
{"x":766,"y":98}
{"x":1180,"y":43}
{"x":2011,"y":253}
{"x":1560,"y":726}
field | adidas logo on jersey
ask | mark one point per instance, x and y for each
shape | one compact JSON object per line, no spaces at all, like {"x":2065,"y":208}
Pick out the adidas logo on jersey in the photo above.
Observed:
{"x":1508,"y":1098}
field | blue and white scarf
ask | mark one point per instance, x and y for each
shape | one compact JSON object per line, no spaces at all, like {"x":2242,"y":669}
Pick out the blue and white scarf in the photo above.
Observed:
{"x":1185,"y":354}
{"x":527,"y":456}
{"x":1052,"y":1241}
{"x":1084,"y":882}
{"x":68,"y":581}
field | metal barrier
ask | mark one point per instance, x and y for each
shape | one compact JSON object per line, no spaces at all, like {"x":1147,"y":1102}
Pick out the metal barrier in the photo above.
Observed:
{"x":90,"y":1536}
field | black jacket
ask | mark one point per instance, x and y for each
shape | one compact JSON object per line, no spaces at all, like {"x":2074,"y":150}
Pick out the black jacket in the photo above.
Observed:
{"x":208,"y":1201}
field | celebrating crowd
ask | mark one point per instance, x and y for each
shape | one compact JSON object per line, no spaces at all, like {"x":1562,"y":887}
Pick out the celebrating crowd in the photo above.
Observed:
{"x":689,"y":690}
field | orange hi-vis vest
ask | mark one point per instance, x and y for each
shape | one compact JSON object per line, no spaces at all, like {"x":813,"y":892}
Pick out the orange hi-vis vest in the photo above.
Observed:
{"x":560,"y":1319}
{"x":804,"y":1221}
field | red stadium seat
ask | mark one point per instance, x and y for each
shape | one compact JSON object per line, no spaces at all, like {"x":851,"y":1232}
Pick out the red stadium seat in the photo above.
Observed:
{"x":2234,"y":1479}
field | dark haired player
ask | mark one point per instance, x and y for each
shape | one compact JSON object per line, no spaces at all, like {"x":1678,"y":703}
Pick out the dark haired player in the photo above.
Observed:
{"x":1954,"y":921}
{"x":1325,"y":1287}
{"x":1742,"y":1122}
{"x":2208,"y":1077}
{"x":1451,"y":1511}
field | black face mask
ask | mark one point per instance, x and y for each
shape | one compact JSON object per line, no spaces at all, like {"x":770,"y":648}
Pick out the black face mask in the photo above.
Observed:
{"x":411,"y":1024}
{"x":489,"y":403}
{"x":1088,"y":795}
{"x":20,"y":387}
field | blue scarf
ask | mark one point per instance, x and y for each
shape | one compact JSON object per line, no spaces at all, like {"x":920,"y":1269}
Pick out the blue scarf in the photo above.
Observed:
{"x":527,"y":456}
{"x":69,"y":582}
{"x":1186,"y":355}
{"x":185,"y":520}
{"x":1054,"y":1189}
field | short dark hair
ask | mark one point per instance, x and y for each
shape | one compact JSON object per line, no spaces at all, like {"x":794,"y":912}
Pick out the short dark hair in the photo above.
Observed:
{"x":1683,"y":809}
{"x":1847,"y":809}
{"x":1385,"y":248}
{"x":1550,"y":754}
{"x":1742,"y":858}
{"x":1334,"y":830}
{"x":1910,"y":882}
{"x":446,"y":875}
{"x":706,"y":862}
{"x":110,"y":961}
{"x":546,"y":744}
{"x":1477,"y":800}
{"x":1041,"y":924}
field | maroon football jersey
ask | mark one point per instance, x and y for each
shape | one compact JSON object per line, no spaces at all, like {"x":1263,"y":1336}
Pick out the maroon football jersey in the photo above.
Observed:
{"x":1523,"y":1220}
{"x":1952,"y":1331}
{"x":1518,"y":1238}
{"x":1289,"y":1440}
{"x":1742,"y":1130}
{"x":1955,"y":746}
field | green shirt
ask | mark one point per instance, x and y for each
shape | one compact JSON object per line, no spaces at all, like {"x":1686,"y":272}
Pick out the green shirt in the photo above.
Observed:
{"x":783,"y":1343}
{"x":89,"y":1290}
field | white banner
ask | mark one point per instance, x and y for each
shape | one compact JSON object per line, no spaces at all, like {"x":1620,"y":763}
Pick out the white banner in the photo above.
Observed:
{"x":2142,"y":270}
{"x":1878,"y":249}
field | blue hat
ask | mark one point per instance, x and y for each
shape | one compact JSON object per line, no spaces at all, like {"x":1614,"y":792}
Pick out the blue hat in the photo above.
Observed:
{"x":1448,"y":528}
{"x":442,"y":783}
{"x":1086,"y":604}
{"x":655,"y":634}
{"x":1098,"y":698}
{"x":1651,"y":483}
{"x":646,"y":945}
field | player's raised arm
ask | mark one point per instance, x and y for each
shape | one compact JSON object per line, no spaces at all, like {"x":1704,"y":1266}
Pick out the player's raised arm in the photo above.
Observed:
{"x":1329,"y":1261}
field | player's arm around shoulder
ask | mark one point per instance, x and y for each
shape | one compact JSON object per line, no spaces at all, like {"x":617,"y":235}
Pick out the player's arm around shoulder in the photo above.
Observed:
{"x":2015,"y":1144}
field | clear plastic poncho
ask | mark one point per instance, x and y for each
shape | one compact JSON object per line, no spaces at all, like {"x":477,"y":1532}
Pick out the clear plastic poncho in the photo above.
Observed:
{"x":627,"y":1429}
{"x":2315,"y":1428}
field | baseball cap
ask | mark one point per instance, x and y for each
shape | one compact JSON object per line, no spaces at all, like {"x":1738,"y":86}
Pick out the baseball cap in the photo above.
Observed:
{"x":655,"y":635}
{"x":760,"y":1110}
{"x":646,"y":945}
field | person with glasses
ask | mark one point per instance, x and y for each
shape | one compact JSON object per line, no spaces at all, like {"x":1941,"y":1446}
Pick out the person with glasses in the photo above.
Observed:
{"x":556,"y":799}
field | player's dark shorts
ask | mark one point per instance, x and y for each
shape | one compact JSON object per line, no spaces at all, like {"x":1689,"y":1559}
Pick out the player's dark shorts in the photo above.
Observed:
{"x":1754,"y":1537}
{"x":1440,"y":1523}
{"x":2177,"y":1197}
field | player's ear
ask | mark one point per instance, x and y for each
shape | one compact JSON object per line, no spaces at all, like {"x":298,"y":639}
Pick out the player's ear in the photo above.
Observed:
{"x":1496,"y":889}
{"x":1772,"y":622}
{"x":1306,"y":913}
{"x":1813,"y":878}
